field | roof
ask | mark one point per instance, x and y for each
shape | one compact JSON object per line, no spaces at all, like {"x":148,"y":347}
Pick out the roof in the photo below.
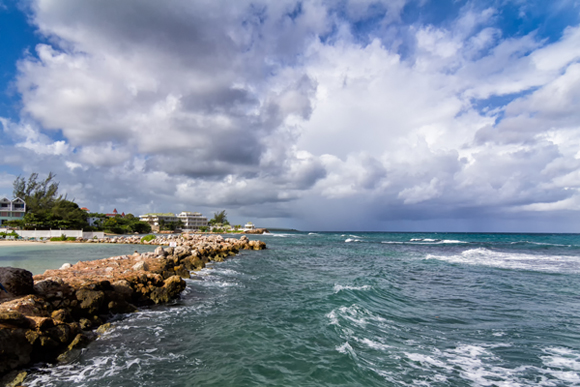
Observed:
{"x":159,"y":214}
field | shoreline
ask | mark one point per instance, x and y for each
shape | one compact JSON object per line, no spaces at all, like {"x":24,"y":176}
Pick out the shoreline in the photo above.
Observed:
{"x":22,"y":242}
{"x":49,"y":317}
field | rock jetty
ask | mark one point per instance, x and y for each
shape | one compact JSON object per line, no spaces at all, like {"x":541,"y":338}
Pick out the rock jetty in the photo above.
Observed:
{"x":51,"y":316}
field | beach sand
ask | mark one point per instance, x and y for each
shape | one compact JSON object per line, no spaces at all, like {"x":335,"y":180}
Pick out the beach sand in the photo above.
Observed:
{"x":20,"y":243}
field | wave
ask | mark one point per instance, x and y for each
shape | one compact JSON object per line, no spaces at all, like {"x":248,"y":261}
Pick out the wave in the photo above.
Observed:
{"x":417,"y":241}
{"x":277,"y":235}
{"x":349,"y":240}
{"x":338,"y":288}
{"x":353,"y":314}
{"x":508,"y":260}
{"x":482,"y":366}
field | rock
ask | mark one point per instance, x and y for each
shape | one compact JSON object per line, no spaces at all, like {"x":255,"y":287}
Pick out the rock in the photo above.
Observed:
{"x":80,"y":340}
{"x":14,"y":318}
{"x":48,"y":286}
{"x":90,"y":300}
{"x":123,"y":289}
{"x":61,"y":315}
{"x":85,"y":323}
{"x":160,"y":251}
{"x":17,"y":282}
{"x":141,"y":265}
{"x":103,"y":328}
{"x":65,"y":266}
{"x":16,"y":380}
{"x":171,"y":289}
{"x":15,"y":349}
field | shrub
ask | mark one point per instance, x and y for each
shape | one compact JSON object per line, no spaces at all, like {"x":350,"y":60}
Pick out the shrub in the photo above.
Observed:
{"x":71,"y":239}
{"x":148,"y":238}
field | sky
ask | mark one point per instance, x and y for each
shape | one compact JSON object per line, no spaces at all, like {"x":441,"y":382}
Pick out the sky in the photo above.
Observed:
{"x":395,"y":115}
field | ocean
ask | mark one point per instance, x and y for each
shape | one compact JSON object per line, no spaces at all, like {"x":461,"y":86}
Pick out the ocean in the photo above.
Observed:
{"x":352,"y":309}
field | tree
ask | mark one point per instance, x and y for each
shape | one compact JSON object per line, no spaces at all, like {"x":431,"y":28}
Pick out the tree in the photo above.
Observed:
{"x":44,"y":207}
{"x":38,"y":196}
{"x":219,"y":218}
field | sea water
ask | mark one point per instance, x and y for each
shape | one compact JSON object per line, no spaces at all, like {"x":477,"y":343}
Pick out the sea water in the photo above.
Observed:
{"x":356,"y":309}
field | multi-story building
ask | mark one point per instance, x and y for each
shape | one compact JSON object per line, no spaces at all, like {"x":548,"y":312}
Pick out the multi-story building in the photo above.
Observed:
{"x":155,"y":219}
{"x":11,"y":209}
{"x":192,"y":220}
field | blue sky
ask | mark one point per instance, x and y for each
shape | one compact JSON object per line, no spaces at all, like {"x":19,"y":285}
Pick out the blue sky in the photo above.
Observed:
{"x":397,"y":115}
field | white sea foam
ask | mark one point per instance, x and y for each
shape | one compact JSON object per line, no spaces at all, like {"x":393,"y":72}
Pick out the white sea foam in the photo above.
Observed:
{"x":349,"y":240}
{"x":563,"y":364}
{"x":535,"y":262}
{"x":338,"y":288}
{"x":375,"y":345}
{"x":345,"y":316}
{"x":346,"y":349}
{"x":478,"y":365}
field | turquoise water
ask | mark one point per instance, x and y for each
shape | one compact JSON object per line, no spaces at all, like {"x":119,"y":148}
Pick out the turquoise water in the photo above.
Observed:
{"x":37,"y":257}
{"x":369,"y":309}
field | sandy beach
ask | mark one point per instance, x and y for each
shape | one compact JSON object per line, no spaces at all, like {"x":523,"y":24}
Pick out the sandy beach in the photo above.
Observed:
{"x":20,"y":243}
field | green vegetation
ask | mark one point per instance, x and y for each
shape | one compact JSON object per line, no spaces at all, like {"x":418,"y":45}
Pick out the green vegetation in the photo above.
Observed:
{"x":148,"y":238}
{"x":125,"y":225}
{"x":62,"y":238}
{"x":219,"y":219}
{"x":8,"y":234}
{"x":169,"y":226}
{"x":45,"y":209}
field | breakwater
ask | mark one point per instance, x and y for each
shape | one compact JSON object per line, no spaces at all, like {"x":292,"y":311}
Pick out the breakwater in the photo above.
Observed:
{"x":52,"y":315}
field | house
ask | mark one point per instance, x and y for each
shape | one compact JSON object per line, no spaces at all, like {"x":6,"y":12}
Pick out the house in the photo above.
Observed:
{"x":154,"y":218}
{"x":11,"y":209}
{"x":115,"y":213}
{"x":192,"y":220}
{"x":249,"y":226}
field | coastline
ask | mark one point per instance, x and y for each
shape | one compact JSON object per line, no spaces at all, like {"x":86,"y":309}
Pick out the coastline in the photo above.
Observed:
{"x":49,"y":317}
{"x":22,"y":242}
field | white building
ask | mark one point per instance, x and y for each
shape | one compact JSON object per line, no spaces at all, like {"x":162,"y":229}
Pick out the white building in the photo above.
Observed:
{"x":154,"y":219}
{"x":192,"y":220}
{"x":12,"y":209}
{"x":249,"y":226}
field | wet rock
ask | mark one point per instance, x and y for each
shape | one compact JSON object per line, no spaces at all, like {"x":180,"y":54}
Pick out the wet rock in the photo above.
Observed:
{"x":61,"y":315}
{"x":90,"y":300}
{"x":15,"y":350}
{"x":103,"y":328}
{"x":17,"y":282}
{"x":172,"y":287}
{"x":16,"y":319}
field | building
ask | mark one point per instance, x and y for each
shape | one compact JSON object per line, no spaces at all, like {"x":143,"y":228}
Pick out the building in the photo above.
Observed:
{"x":192,"y":220}
{"x":154,"y":219}
{"x":115,"y":213}
{"x":249,"y":226}
{"x":11,"y":209}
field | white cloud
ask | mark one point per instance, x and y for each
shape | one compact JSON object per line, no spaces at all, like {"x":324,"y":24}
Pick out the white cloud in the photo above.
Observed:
{"x":255,"y":105}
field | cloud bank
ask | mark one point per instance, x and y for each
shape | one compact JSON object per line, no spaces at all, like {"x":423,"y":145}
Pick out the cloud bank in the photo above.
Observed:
{"x":318,"y":115}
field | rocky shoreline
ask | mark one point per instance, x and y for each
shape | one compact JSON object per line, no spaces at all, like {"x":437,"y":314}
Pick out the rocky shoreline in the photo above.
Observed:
{"x":49,"y":317}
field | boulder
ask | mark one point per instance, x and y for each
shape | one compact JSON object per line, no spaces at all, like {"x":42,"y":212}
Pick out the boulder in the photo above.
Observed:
{"x":141,"y":265}
{"x":17,"y":282}
{"x":90,"y":300}
{"x":15,"y":349}
{"x":170,"y":289}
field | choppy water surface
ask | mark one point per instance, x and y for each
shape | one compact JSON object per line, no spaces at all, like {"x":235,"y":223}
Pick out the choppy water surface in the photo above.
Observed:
{"x":368,"y":309}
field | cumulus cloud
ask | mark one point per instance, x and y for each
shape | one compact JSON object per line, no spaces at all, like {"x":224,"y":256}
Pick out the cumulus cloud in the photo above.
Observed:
{"x":282,"y":108}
